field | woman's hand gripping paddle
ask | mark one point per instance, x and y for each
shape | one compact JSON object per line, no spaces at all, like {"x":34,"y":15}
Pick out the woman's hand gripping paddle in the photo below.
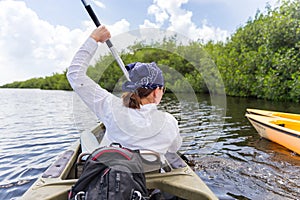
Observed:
{"x":108,"y":42}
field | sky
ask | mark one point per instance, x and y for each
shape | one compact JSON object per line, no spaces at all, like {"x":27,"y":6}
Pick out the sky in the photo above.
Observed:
{"x":40,"y":37}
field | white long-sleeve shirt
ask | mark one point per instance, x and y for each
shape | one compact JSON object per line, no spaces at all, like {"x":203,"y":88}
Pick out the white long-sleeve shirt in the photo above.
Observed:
{"x":144,"y":128}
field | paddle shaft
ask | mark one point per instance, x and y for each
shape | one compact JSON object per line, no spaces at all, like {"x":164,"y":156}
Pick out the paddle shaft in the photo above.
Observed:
{"x":108,"y":42}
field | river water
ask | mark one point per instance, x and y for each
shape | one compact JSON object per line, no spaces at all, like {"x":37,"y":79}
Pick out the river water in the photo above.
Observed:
{"x":38,"y":125}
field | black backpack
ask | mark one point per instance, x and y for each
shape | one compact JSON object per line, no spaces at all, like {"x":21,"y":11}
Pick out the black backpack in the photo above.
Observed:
{"x":111,"y":173}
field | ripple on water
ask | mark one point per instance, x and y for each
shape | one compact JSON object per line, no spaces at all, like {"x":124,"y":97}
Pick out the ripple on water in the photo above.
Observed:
{"x":256,"y":175}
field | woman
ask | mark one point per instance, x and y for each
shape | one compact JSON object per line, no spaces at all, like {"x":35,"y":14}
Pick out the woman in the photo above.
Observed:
{"x":134,"y":120}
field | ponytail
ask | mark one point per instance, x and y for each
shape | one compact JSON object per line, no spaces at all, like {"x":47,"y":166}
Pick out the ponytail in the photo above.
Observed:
{"x":133,"y":99}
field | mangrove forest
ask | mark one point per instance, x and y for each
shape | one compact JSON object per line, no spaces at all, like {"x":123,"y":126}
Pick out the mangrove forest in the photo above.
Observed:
{"x":261,"y":59}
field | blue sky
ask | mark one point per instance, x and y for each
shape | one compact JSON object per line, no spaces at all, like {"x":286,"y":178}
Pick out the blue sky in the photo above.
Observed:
{"x":40,"y":37}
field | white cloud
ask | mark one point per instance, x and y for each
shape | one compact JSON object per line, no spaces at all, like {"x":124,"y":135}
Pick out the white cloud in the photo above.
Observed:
{"x":160,"y":14}
{"x":119,"y":27}
{"x":99,"y":4}
{"x":180,"y":20}
{"x":31,"y":47}
{"x":148,"y":24}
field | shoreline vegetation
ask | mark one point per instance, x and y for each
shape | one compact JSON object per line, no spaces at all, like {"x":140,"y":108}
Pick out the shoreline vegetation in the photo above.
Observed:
{"x":261,"y":60}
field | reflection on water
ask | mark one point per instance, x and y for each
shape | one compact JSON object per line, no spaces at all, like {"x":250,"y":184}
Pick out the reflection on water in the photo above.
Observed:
{"x":230,"y":157}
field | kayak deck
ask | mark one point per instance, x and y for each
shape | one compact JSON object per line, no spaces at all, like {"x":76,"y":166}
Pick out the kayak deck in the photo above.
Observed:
{"x":285,"y":132}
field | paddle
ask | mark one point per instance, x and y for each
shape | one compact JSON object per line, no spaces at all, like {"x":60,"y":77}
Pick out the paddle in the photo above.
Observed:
{"x":108,"y":42}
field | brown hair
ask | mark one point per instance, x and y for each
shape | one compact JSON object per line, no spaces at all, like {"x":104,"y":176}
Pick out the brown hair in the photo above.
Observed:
{"x":133,"y":99}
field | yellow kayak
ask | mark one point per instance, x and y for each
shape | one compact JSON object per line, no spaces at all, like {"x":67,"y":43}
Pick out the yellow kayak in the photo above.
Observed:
{"x":54,"y":184}
{"x":274,"y":114}
{"x":283,"y":131}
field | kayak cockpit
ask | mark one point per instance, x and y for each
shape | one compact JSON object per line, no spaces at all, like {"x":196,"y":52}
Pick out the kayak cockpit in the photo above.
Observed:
{"x":176,"y":178}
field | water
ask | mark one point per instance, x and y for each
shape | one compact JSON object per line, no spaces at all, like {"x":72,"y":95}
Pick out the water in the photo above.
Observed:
{"x":37,"y":125}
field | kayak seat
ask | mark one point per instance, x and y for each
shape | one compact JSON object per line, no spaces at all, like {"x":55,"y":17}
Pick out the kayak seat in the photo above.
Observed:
{"x":80,"y":163}
{"x":150,"y":159}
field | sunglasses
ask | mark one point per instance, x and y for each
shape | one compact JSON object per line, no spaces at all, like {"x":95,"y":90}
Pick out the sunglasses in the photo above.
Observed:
{"x":163,"y":89}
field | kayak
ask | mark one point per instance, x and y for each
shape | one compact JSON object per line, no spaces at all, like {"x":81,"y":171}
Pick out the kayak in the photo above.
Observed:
{"x":180,"y":180}
{"x":283,"y":131}
{"x":274,"y":114}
